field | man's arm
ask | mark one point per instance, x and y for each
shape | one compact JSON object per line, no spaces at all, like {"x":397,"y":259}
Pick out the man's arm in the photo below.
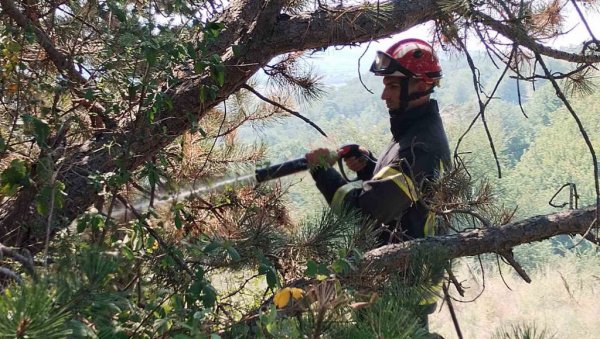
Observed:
{"x":392,"y":190}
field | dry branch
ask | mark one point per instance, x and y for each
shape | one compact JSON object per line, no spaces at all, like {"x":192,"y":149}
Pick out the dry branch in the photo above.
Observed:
{"x":292,"y":112}
{"x":520,"y":37}
{"x":501,"y":239}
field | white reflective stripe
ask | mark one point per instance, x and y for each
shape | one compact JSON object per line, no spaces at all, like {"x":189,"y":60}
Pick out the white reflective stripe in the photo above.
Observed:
{"x":402,"y":180}
{"x":338,"y":198}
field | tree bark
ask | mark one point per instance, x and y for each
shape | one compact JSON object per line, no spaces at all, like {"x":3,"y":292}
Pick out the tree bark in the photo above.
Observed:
{"x":500,"y":239}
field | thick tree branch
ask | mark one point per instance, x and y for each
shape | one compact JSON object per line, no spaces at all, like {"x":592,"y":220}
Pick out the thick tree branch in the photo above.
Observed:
{"x":348,"y":26}
{"x":514,"y":33}
{"x":393,"y":258}
{"x":27,"y":262}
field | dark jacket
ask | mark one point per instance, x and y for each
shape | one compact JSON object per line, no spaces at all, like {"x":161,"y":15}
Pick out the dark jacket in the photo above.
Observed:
{"x":392,"y":188}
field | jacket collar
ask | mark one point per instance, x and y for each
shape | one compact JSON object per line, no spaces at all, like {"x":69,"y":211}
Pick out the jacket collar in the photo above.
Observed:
{"x":400,"y":122}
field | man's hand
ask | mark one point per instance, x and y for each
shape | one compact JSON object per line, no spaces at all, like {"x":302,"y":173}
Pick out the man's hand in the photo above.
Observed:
{"x":321,"y":157}
{"x":357,"y":163}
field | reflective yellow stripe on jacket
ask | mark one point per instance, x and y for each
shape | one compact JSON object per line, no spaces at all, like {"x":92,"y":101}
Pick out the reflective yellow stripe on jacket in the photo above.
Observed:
{"x":402,"y":180}
{"x":429,"y":228}
{"x":338,"y":198}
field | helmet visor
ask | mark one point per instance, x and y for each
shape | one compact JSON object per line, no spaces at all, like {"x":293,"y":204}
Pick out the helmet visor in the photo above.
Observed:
{"x":385,"y":64}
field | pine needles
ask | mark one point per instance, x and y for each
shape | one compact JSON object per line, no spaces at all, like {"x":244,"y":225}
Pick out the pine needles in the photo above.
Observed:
{"x":29,"y":311}
{"x":523,"y":331}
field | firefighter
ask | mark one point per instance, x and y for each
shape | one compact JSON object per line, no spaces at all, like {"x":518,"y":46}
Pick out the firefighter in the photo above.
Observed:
{"x":393,"y":185}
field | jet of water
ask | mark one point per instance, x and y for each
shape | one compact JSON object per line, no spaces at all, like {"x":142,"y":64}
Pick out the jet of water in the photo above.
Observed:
{"x":185,"y":193}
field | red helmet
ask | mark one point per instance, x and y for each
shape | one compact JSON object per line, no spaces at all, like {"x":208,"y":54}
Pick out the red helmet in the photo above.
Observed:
{"x":410,"y":58}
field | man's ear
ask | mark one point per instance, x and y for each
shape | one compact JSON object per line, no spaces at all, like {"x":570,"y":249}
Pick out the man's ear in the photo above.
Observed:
{"x":422,"y":86}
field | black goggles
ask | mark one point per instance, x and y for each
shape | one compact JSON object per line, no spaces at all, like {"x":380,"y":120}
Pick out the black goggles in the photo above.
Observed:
{"x":384,"y":64}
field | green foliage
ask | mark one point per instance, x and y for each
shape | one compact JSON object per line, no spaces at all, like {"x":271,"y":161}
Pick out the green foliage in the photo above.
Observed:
{"x":390,"y":317}
{"x":324,"y":235}
{"x":92,"y":220}
{"x":270,"y":326}
{"x":29,"y":311}
{"x":522,"y":331}
{"x":38,"y":128}
{"x":402,"y":305}
{"x":14,"y":177}
{"x":50,"y":197}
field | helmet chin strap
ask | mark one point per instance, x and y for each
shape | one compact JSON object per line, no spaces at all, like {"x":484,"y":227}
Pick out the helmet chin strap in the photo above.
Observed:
{"x":406,"y":98}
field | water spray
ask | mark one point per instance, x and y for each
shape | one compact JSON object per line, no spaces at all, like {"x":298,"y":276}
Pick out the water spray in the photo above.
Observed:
{"x":259,"y":176}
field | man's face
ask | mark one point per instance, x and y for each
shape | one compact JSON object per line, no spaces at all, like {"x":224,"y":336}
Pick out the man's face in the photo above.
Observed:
{"x":392,"y":87}
{"x":391,"y":92}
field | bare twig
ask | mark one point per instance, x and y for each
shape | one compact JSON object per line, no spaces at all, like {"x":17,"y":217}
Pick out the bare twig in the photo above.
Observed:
{"x":592,"y":238}
{"x":582,"y":130}
{"x":240,"y":288}
{"x":276,"y":104}
{"x":519,"y":98}
{"x":482,"y":284}
{"x":455,"y":282}
{"x":360,"y":75}
{"x":556,"y":75}
{"x":486,"y":223}
{"x":157,"y":237}
{"x":508,"y":255}
{"x":483,"y":105}
{"x":451,"y":309}
{"x":582,"y":17}
{"x":500,"y":271}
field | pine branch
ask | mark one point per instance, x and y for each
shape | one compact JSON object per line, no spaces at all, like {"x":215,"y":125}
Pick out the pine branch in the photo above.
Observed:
{"x":519,"y":36}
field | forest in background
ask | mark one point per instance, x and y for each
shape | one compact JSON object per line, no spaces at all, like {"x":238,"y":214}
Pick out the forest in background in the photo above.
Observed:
{"x":538,"y":152}
{"x":535,"y":141}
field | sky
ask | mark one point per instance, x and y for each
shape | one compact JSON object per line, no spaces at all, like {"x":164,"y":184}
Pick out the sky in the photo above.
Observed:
{"x":333,"y":57}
